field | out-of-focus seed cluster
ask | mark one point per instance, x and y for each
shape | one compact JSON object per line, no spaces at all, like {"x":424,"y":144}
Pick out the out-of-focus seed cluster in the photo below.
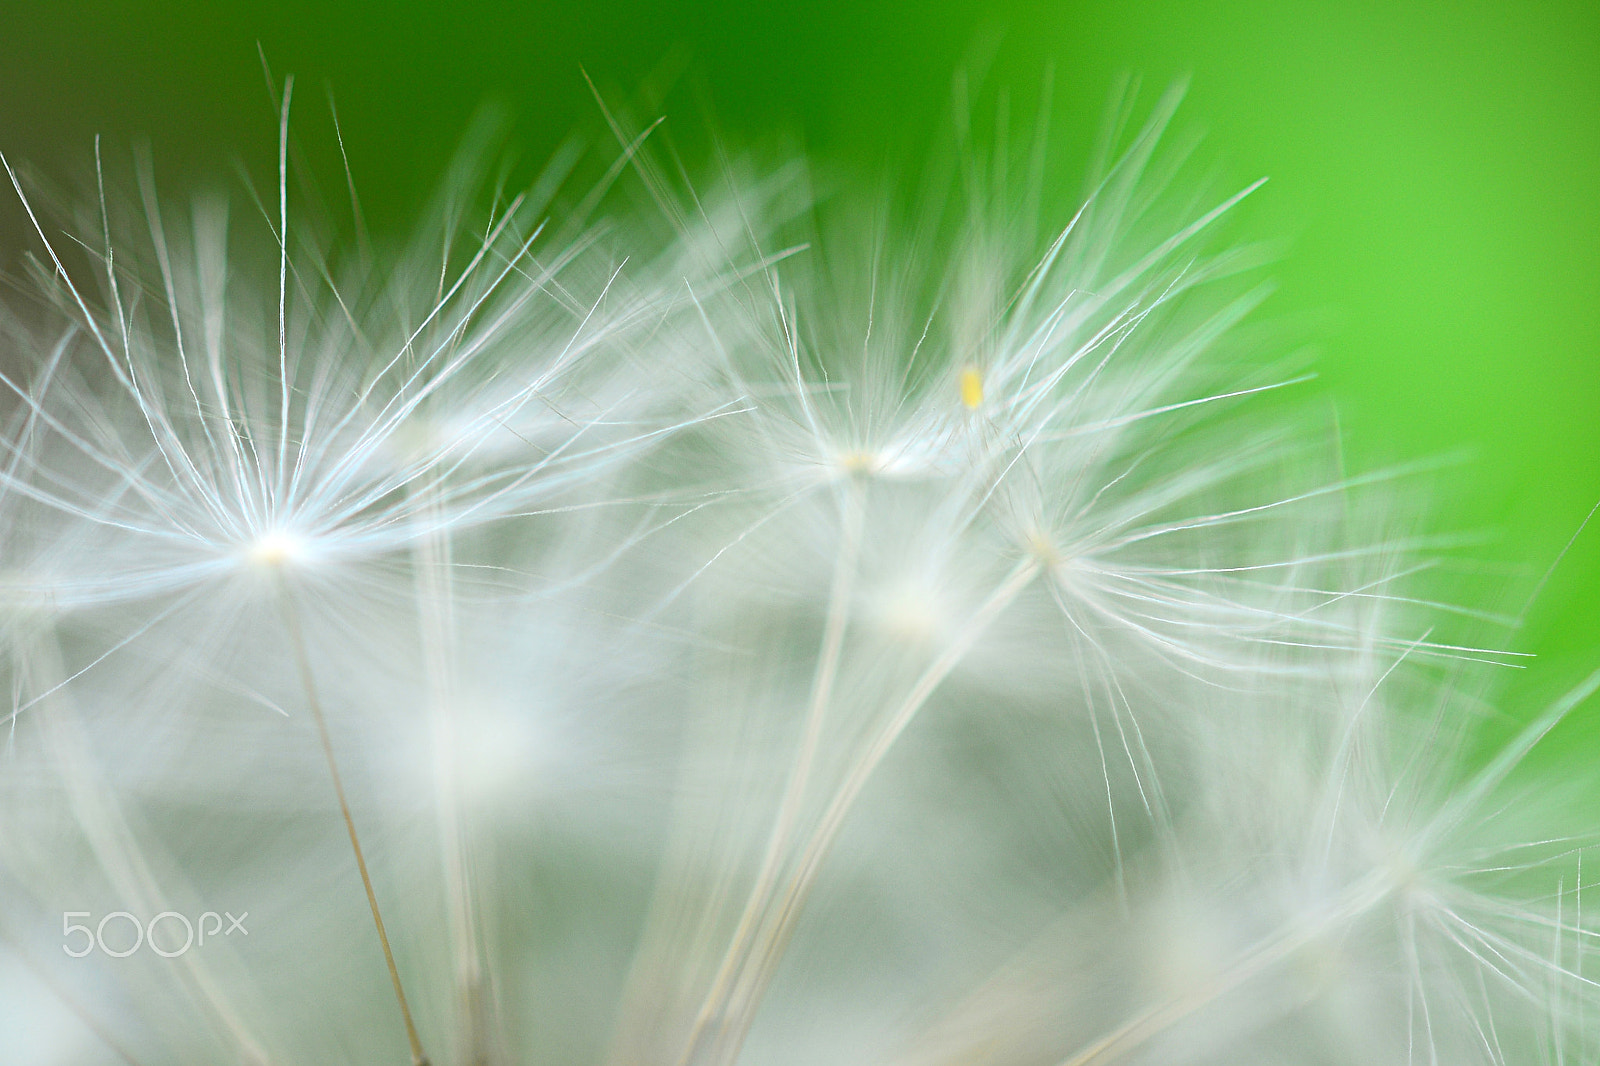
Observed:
{"x":760,"y":629}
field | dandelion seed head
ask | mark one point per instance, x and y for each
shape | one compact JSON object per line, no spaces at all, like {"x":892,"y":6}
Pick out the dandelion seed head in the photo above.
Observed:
{"x":860,"y":462}
{"x":957,"y":472}
{"x":1043,"y":548}
{"x":1402,"y":873}
{"x":276,"y":549}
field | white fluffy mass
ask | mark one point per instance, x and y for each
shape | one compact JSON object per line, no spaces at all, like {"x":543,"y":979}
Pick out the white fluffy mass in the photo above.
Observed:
{"x":737,"y":625}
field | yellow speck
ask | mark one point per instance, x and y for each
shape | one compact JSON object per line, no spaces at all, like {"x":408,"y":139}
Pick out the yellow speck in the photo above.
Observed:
{"x":971,"y":388}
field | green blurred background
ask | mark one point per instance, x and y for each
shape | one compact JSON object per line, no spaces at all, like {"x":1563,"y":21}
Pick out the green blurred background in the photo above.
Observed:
{"x":1435,"y":173}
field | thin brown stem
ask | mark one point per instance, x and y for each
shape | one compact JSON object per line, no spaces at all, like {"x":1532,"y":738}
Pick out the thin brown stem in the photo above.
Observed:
{"x":837,"y":621}
{"x":736,"y":1002}
{"x":302,"y":658}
